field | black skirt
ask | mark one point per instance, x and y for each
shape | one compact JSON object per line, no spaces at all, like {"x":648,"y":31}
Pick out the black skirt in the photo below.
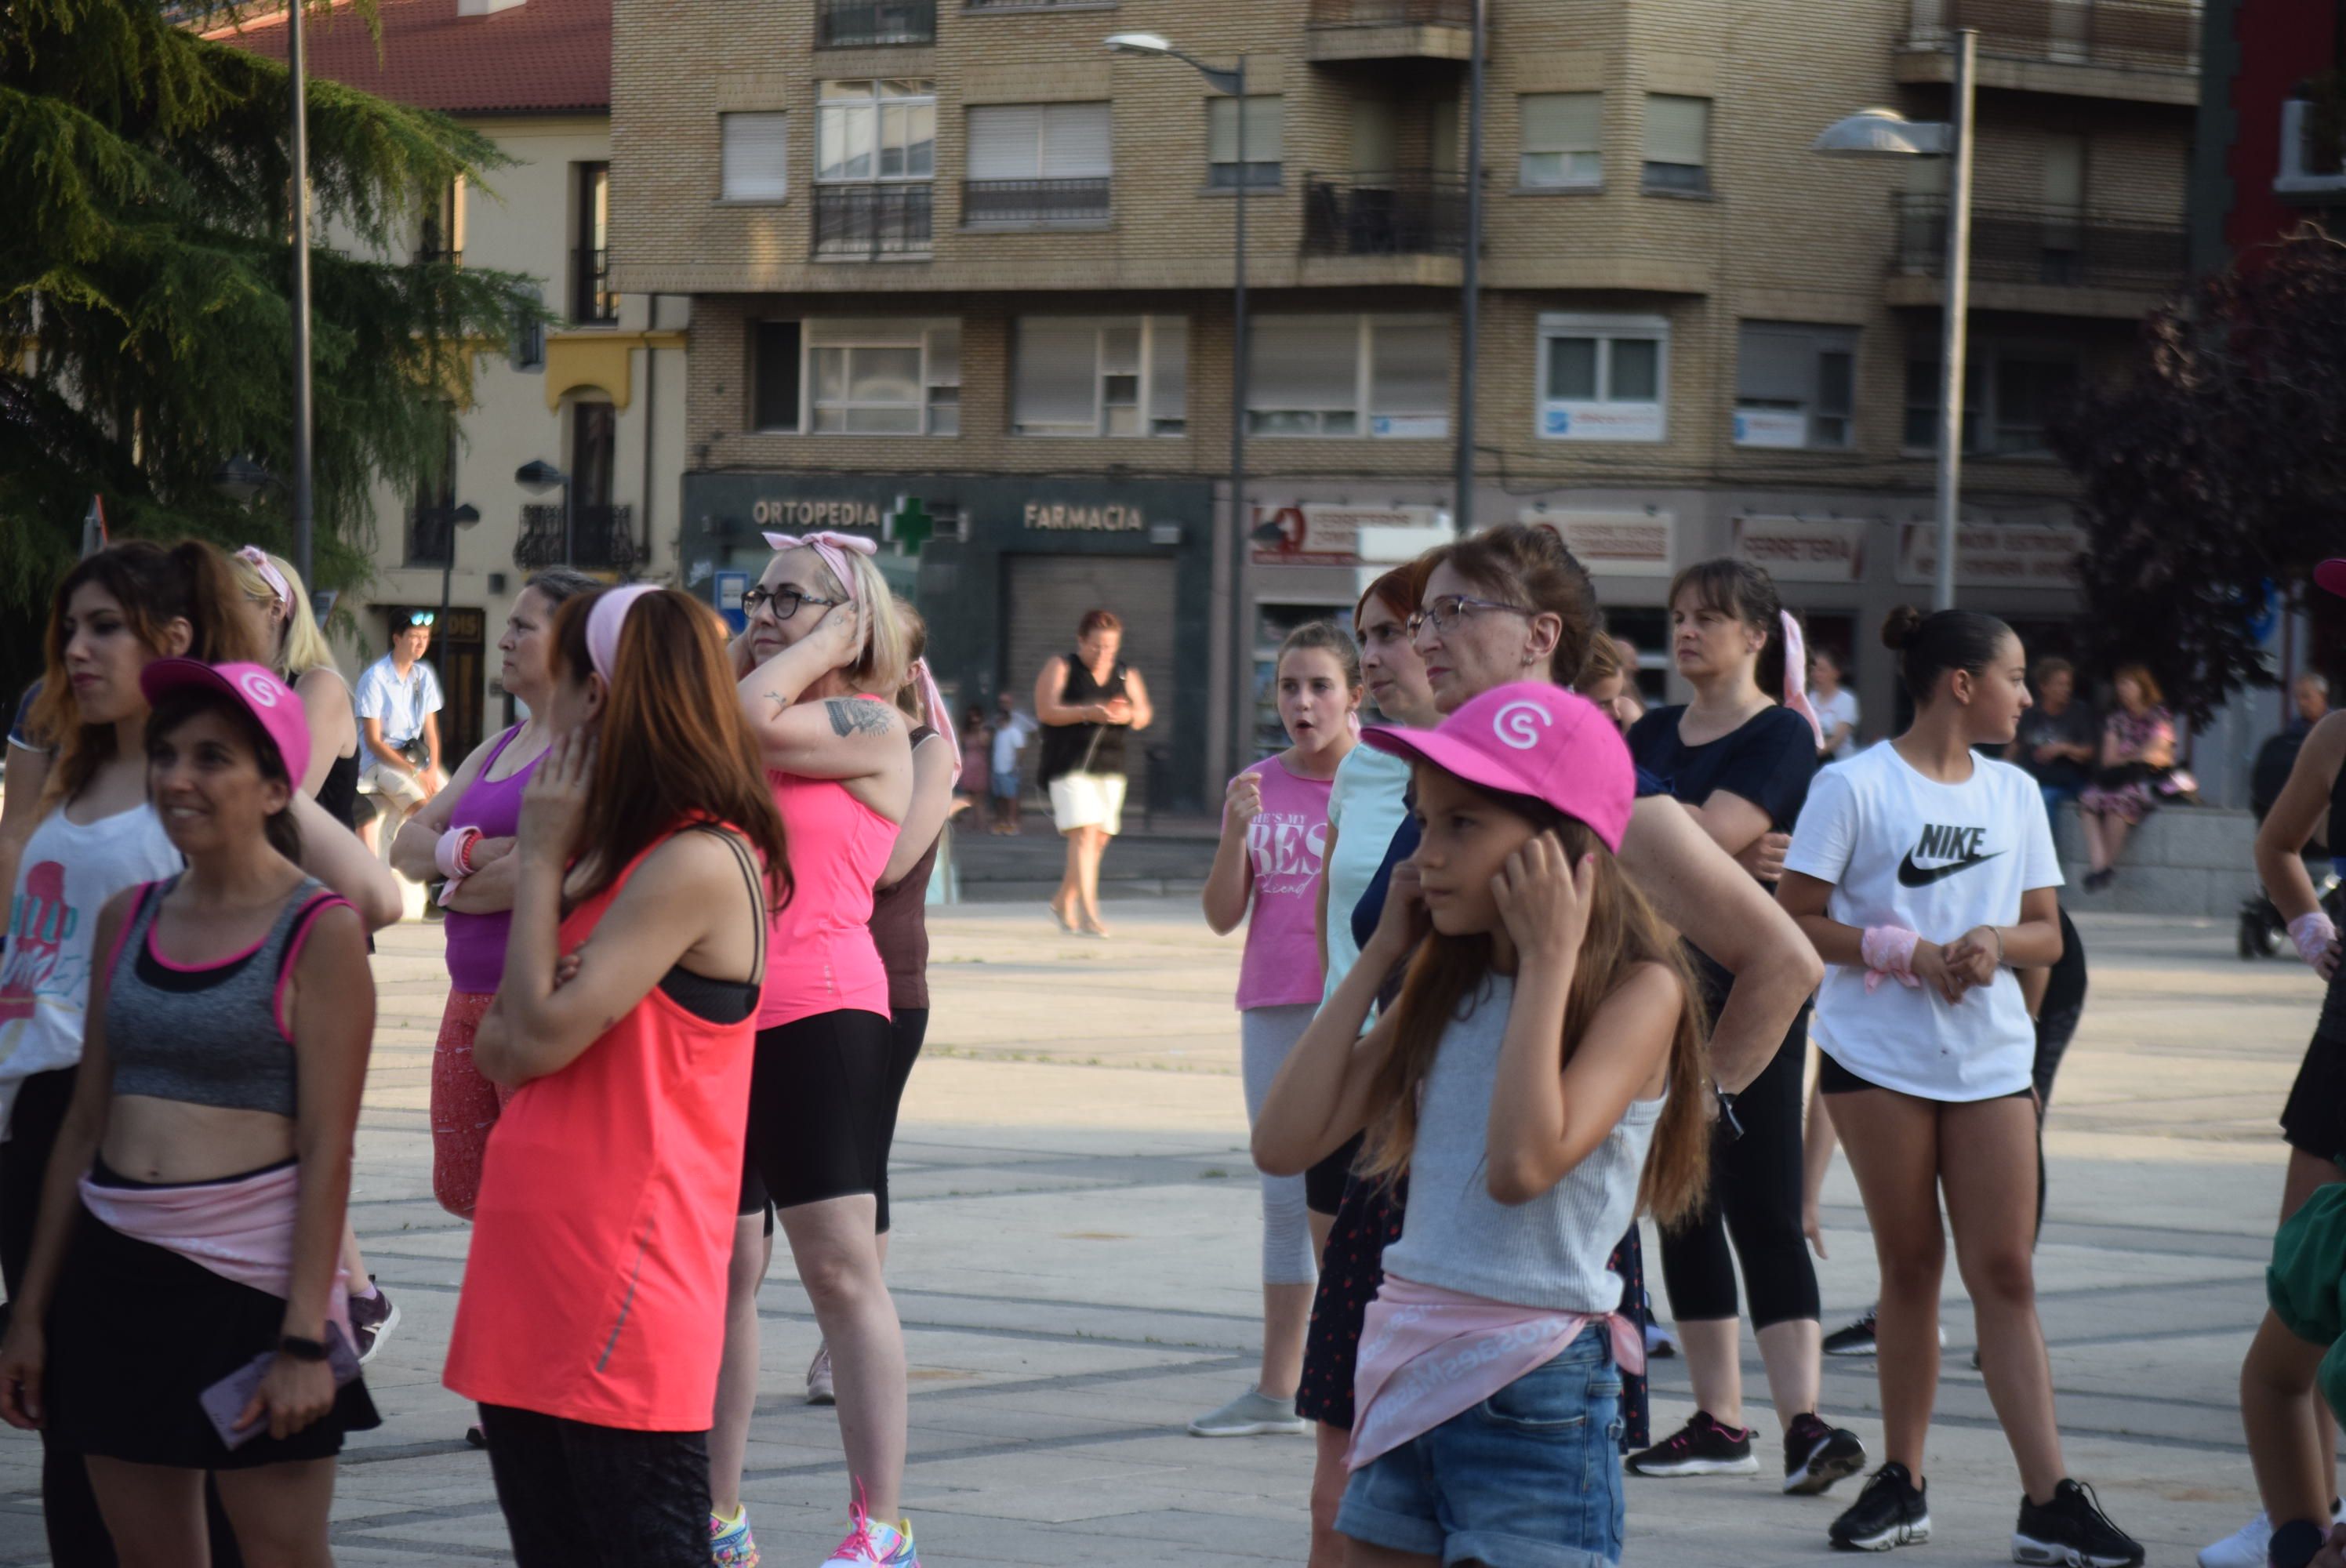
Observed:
{"x":136,"y":1335}
{"x":2314,"y":1119}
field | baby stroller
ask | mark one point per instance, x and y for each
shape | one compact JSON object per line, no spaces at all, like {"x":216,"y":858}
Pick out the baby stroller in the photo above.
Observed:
{"x":2262,"y":931}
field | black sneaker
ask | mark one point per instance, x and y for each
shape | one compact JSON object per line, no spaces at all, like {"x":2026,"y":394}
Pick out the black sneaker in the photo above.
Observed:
{"x":373,"y":1318}
{"x":1817,"y":1455}
{"x":1701,"y":1446}
{"x":1856,"y":1340}
{"x":2072,"y":1532}
{"x":1890,"y":1512}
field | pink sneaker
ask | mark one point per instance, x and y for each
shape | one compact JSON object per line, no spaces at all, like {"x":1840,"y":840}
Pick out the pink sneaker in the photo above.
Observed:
{"x":871,"y":1546}
{"x":731,"y":1545}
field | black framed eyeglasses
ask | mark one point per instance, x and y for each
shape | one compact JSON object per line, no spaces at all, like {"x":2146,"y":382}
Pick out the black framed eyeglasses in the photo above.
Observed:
{"x":784,"y":602}
{"x":1447,"y":611}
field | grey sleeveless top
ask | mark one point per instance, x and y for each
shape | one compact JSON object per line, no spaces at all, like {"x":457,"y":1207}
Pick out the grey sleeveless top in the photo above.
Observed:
{"x":1549,"y":1253}
{"x":212,"y":1036}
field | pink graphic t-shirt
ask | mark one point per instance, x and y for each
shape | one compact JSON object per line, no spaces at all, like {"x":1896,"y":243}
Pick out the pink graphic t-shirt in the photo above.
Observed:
{"x":1286,"y":846}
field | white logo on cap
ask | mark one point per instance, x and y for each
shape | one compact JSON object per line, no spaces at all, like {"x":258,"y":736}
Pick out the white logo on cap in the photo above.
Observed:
{"x":260,"y":688}
{"x":1519,"y":723}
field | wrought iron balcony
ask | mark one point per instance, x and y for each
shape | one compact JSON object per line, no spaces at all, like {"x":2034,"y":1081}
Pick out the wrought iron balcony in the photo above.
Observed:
{"x":1407,"y":212}
{"x":2055,"y":246}
{"x":602,"y":538}
{"x":1033,"y":203}
{"x":591,"y":299}
{"x":843,"y":24}
{"x":2128,"y":34}
{"x":867,"y":222}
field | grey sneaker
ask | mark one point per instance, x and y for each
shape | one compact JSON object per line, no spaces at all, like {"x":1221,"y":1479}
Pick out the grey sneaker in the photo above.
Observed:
{"x":373,"y":1318}
{"x":819,"y":1385}
{"x":1252,"y":1414}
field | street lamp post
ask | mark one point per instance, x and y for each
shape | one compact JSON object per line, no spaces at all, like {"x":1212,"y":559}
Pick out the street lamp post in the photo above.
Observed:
{"x":538,"y":476}
{"x":456,"y":518}
{"x":1231,"y":81}
{"x":1469,"y":289}
{"x":1885,"y":133}
{"x":303,"y":508}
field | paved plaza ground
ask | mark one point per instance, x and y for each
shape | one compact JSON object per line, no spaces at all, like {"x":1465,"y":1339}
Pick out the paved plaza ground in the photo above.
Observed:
{"x":1075,"y":1260}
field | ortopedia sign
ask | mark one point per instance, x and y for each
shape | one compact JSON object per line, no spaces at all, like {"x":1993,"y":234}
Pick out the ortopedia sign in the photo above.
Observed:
{"x":2013,"y":555}
{"x":1804,"y":549}
{"x":1315,"y":534}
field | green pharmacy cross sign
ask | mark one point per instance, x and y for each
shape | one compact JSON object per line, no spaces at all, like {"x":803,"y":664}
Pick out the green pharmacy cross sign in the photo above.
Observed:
{"x":909,"y":526}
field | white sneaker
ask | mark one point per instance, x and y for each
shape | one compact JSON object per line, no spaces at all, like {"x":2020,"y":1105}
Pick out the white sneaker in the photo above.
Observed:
{"x":819,"y":1388}
{"x":2250,"y":1546}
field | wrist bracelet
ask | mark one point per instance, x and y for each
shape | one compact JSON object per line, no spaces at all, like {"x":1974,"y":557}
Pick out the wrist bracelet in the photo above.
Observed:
{"x":300,"y":1348}
{"x":1997,"y":931}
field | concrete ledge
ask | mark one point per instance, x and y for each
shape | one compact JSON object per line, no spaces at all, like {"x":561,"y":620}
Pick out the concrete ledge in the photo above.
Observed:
{"x":2191,"y":861}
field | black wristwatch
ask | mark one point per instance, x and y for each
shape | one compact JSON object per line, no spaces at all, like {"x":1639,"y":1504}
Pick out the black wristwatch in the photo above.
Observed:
{"x":302,"y":1350}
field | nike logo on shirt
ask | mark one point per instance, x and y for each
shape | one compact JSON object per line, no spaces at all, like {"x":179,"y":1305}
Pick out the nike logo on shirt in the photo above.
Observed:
{"x":1959,"y":846}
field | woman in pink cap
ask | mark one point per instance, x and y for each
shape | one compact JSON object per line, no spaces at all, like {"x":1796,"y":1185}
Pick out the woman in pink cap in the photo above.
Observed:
{"x":1541,"y":1078}
{"x":205,"y":1159}
{"x":822,"y":659}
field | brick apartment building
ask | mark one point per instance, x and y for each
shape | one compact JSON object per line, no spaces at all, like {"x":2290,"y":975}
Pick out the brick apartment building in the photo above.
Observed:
{"x":957,"y":271}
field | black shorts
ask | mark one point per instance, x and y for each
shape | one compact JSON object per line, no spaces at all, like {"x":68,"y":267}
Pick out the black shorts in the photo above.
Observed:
{"x":1832,"y":1078}
{"x":1324,"y":1184}
{"x":819,"y":1108}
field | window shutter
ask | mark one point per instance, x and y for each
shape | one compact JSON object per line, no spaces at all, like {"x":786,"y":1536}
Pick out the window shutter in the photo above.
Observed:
{"x":1561,"y":122}
{"x":776,"y":376}
{"x":1075,"y":141}
{"x":1776,"y":364}
{"x":1302,"y":361}
{"x":1052,"y":381}
{"x":1006,"y":141}
{"x":755,"y":156}
{"x":1678,"y":130}
{"x":1266,"y":129}
{"x":1168,"y":369}
{"x":1409,"y":368}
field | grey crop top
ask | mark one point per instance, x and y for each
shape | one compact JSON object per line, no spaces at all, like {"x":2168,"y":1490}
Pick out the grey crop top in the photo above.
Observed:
{"x":211,"y":1036}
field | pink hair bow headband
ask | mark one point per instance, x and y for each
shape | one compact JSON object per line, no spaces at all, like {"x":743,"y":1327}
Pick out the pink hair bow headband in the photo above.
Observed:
{"x":604,"y":621}
{"x":254,"y":556}
{"x":1796,"y":675}
{"x":834,"y":549}
{"x":940,"y":717}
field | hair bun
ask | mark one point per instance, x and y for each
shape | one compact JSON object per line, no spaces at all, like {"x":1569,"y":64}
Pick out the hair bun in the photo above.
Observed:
{"x":1899,"y":626}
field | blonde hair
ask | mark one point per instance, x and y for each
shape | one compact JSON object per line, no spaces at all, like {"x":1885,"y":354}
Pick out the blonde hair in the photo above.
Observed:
{"x":880,"y":668}
{"x":301,"y":644}
{"x":916,"y":648}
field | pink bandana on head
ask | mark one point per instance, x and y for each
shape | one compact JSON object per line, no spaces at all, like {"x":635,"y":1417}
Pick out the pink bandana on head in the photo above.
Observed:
{"x":1796,"y":675}
{"x":604,"y":621}
{"x":254,"y":556}
{"x":834,"y":549}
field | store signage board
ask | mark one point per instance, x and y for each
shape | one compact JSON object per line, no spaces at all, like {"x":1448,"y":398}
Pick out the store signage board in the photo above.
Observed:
{"x":1613,"y":544}
{"x":1314,"y":533}
{"x":1770,"y":427}
{"x":1804,"y":549}
{"x":1601,"y":422}
{"x":1989,"y":555}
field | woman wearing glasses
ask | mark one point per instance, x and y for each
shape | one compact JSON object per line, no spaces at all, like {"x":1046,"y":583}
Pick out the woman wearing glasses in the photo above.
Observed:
{"x":822,"y":658}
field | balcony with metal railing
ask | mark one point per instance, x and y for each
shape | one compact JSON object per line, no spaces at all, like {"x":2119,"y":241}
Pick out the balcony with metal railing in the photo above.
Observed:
{"x":592,"y":303}
{"x":1002,"y":204}
{"x":872,"y":222}
{"x":2048,"y":261}
{"x":854,"y":23}
{"x":600,"y":538}
{"x":1402,"y":212}
{"x":1337,"y":30}
{"x":2144,"y":50}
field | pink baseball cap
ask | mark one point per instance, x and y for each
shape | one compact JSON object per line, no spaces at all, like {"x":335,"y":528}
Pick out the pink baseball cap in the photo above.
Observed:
{"x":2331,"y":575}
{"x":266,"y":697}
{"x":1536,"y":739}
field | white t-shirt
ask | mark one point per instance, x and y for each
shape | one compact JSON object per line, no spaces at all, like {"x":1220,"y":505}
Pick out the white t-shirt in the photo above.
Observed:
{"x":1834,"y":711}
{"x":1364,"y":810}
{"x":1010,"y":738}
{"x":1902,"y":849}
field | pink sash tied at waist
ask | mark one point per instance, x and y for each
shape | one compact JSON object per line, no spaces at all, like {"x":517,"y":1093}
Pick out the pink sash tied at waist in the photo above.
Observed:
{"x":1428,"y":1354}
{"x":241,"y":1231}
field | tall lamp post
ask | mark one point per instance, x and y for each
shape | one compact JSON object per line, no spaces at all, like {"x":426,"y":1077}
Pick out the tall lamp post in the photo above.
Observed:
{"x":303,"y":508}
{"x":456,"y":518}
{"x":1885,"y":133}
{"x":538,"y":476}
{"x":1470,"y":283}
{"x":1231,"y":81}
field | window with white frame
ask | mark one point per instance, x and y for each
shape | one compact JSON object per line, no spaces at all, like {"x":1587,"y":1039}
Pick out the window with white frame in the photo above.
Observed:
{"x":1265,"y":135}
{"x":754,"y":156}
{"x":2012,"y":394}
{"x":1037,"y":164}
{"x":1677,"y":143}
{"x":878,"y":377}
{"x":1561,"y":140}
{"x":1604,"y":378}
{"x":1094,"y":376}
{"x":875,"y":131}
{"x":1386,"y":376}
{"x":1794,"y":384}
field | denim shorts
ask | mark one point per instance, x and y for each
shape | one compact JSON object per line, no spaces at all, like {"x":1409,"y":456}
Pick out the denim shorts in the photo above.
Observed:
{"x":1530,"y":1477}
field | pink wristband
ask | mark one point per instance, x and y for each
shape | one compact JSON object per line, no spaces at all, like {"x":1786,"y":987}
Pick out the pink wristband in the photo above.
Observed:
{"x":452,"y":853}
{"x":1889,"y":950}
{"x":2313,"y":934}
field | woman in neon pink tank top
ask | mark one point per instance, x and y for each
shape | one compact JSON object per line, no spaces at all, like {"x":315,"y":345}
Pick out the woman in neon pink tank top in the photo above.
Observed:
{"x":823,"y":651}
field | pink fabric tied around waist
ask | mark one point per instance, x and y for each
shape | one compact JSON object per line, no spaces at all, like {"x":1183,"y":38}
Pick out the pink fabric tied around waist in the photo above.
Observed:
{"x":834,"y":549}
{"x":241,"y":1231}
{"x":1796,"y":676}
{"x":1889,"y":950}
{"x":1427,"y":1354}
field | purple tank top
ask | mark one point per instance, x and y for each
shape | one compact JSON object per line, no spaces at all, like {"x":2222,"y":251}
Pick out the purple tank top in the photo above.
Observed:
{"x":476,"y":942}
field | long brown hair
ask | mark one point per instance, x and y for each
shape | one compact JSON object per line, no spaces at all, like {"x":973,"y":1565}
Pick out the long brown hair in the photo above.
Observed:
{"x":154,"y":584}
{"x":1528,"y":563}
{"x":674,"y":744}
{"x":1623,"y":933}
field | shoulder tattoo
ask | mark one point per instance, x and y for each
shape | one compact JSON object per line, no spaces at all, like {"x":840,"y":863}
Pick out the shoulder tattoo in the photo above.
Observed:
{"x":855,"y":715}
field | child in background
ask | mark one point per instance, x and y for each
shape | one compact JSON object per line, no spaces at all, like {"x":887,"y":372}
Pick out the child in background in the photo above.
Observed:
{"x":1011,"y":731}
{"x":1272,"y":855}
{"x":976,"y":761}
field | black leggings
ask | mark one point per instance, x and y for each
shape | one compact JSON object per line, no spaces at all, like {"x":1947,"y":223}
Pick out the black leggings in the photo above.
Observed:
{"x":1755,"y":1198}
{"x":905,"y":1031}
{"x":576,"y":1495}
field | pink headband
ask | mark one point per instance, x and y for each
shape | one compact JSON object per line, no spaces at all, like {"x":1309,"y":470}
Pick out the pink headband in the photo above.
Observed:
{"x":254,"y":556}
{"x":834,"y":549}
{"x":940,"y":719}
{"x":604,"y":621}
{"x":1796,"y":675}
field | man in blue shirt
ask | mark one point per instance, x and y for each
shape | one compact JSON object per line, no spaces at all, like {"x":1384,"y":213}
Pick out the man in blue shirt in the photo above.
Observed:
{"x":398,"y":701}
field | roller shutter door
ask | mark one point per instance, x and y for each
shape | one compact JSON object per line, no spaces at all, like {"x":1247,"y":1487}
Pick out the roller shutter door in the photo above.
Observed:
{"x":1044,"y":599}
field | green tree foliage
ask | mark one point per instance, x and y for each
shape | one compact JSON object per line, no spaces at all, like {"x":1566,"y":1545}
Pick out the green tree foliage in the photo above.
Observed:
{"x":2215,"y":475}
{"x":146,"y":277}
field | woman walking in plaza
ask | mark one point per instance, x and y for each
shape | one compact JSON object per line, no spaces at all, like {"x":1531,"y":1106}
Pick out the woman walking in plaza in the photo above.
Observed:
{"x":1265,"y":875}
{"x":98,"y":834}
{"x":1741,"y":763}
{"x":1925,"y":873}
{"x":823,"y":656}
{"x":1545,"y":1044}
{"x":1089,"y":702}
{"x":591,"y":1319}
{"x":465,"y":833}
{"x":900,"y":925}
{"x":207,"y":1138}
{"x":2137,"y":772}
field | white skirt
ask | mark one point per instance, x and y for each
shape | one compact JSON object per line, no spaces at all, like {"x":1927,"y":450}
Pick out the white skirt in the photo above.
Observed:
{"x":1088,"y":801}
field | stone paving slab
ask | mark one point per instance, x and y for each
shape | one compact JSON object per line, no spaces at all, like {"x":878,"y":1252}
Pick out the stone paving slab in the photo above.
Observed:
{"x":1075,"y":1263}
